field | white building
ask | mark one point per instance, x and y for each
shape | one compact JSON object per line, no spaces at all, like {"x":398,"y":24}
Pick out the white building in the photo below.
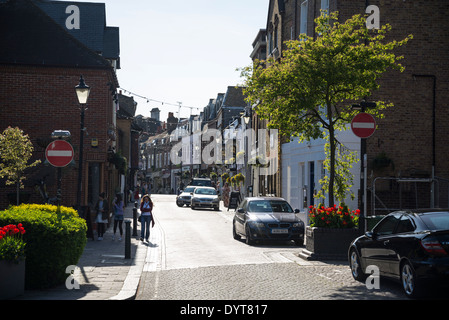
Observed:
{"x":302,"y":169}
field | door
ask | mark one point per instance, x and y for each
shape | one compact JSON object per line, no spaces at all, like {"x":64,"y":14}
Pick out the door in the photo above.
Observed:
{"x":376,"y":250}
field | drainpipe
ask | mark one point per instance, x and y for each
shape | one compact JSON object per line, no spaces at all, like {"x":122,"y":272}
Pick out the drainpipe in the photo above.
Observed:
{"x":432,"y":197}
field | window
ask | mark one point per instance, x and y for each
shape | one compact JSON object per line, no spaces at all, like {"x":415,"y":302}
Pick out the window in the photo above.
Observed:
{"x":303,"y":21}
{"x":325,"y":5}
{"x":405,"y":225}
{"x":387,"y":225}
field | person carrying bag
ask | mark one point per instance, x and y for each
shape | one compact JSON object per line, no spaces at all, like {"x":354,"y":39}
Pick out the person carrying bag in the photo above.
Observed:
{"x":146,"y":210}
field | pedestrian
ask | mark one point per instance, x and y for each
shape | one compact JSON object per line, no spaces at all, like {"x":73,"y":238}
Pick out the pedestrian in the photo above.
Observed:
{"x":146,"y":210}
{"x":225,"y":194}
{"x":118,"y":206}
{"x":136,"y":193}
{"x":102,"y":209}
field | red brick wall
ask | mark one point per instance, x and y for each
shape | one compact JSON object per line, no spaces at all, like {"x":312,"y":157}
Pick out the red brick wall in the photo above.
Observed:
{"x":405,"y":134}
{"x":40,"y":100}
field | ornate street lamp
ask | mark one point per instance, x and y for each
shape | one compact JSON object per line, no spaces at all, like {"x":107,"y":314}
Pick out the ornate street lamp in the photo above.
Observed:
{"x":82,"y":92}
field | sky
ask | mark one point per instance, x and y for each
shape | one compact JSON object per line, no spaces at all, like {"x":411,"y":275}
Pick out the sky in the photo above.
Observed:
{"x":183,"y":51}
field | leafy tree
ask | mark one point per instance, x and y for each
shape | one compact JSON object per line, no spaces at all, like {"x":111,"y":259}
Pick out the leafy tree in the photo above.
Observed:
{"x":309,"y":92}
{"x":16,"y":150}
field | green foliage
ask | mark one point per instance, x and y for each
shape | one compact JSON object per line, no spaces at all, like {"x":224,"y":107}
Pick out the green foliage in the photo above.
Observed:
{"x":15,"y":151}
{"x":54,"y":241}
{"x":309,"y":92}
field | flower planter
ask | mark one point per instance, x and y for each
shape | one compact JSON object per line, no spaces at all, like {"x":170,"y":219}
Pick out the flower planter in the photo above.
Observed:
{"x":12,"y":279}
{"x":328,"y":244}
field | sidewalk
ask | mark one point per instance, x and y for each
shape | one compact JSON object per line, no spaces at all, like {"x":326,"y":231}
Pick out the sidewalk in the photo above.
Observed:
{"x":104,"y":273}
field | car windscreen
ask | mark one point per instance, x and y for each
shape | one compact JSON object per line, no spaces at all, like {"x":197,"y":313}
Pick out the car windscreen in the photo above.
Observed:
{"x":269,"y":206}
{"x":209,"y":192}
{"x":189,"y":190}
{"x":436,"y":221}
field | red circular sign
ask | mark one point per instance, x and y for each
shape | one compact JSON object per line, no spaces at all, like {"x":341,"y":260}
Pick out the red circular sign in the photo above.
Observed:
{"x":59,"y":153}
{"x":363,"y":125}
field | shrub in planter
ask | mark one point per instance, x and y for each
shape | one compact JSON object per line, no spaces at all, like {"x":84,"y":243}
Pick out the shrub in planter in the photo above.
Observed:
{"x":54,"y":241}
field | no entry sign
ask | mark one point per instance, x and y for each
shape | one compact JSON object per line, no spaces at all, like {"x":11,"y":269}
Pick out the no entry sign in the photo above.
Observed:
{"x":59,"y":153}
{"x":363,"y":125}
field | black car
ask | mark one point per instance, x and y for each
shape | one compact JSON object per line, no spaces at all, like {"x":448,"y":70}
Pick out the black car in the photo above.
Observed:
{"x":267,"y":218}
{"x":411,"y":247}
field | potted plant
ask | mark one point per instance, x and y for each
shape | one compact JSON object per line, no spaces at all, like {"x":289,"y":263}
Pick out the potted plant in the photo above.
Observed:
{"x":12,"y":261}
{"x":330,"y":232}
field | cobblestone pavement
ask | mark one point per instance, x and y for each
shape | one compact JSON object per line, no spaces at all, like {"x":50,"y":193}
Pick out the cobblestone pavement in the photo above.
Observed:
{"x":271,"y":281}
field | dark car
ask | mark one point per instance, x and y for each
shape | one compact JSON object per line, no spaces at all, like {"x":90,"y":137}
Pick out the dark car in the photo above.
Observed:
{"x":201,"y":182}
{"x":185,"y":196}
{"x":267,"y":218}
{"x":411,"y":247}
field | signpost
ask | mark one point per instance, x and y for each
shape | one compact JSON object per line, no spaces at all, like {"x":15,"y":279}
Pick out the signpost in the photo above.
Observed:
{"x":363,"y":125}
{"x":59,"y":153}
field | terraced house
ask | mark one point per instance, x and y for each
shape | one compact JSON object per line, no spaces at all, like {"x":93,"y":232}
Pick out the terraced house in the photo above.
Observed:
{"x":407,"y":166}
{"x":45,"y":48}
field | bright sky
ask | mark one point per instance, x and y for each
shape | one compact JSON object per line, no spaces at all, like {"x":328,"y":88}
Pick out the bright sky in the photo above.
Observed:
{"x":183,"y":51}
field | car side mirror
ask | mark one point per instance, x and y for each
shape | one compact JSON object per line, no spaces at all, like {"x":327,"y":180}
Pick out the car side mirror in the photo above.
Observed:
{"x":370,"y":234}
{"x":296,"y":210}
{"x":240,"y":210}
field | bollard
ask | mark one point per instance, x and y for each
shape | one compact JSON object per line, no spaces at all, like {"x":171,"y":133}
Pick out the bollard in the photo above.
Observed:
{"x":135,"y":220}
{"x":128,"y":239}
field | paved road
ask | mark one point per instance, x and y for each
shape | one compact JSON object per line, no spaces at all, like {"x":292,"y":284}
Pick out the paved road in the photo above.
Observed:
{"x":192,"y":256}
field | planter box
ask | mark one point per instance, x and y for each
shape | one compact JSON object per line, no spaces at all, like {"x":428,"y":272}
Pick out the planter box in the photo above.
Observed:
{"x":328,"y":244}
{"x":12,"y":279}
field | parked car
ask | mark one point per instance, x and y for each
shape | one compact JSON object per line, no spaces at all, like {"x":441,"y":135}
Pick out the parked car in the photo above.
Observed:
{"x":201,"y":182}
{"x":205,"y":197}
{"x":267,"y":218}
{"x":409,"y":246}
{"x":185,"y":196}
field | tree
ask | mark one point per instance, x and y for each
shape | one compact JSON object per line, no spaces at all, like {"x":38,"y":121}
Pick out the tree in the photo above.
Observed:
{"x":309,"y":92}
{"x":15,"y":151}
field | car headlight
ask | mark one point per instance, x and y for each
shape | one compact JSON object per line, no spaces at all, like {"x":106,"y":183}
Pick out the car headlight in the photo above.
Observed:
{"x":258,"y":224}
{"x":297,"y":224}
{"x":215,"y":200}
{"x":195,"y":200}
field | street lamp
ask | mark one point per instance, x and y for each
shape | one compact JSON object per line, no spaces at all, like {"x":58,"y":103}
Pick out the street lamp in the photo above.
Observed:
{"x":82,"y":92}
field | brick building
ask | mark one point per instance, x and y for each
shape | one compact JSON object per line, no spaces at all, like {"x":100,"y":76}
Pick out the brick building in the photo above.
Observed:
{"x":40,"y":65}
{"x":407,"y":156}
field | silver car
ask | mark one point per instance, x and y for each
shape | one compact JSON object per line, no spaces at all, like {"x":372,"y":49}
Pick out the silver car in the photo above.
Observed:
{"x":185,"y":196}
{"x":205,"y":197}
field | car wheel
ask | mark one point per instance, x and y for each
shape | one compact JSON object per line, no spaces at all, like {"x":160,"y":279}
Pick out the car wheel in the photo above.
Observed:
{"x":249,"y":241}
{"x":234,"y":233}
{"x":410,"y":285}
{"x":179,"y":204}
{"x":356,"y":268}
{"x":192,"y":207}
{"x":299,"y":242}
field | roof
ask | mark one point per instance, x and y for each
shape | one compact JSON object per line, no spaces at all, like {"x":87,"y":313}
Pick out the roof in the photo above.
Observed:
{"x":92,"y":31}
{"x":28,"y":36}
{"x":234,"y":97}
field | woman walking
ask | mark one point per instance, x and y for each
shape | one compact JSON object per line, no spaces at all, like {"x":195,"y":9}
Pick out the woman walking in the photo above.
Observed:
{"x":146,"y":209}
{"x":102,"y":209}
{"x":118,"y":206}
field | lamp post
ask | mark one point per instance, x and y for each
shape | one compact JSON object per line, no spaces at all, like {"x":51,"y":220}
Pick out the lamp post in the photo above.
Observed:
{"x":82,"y":92}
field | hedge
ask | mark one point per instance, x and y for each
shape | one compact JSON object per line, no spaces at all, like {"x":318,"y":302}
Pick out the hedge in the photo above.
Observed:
{"x":53,"y":241}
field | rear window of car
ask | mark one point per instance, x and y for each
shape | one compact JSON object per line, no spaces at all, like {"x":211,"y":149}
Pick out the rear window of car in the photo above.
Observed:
{"x":203,"y":183}
{"x":269,"y":206}
{"x":436,"y":221}
{"x":189,"y":189}
{"x":209,"y":192}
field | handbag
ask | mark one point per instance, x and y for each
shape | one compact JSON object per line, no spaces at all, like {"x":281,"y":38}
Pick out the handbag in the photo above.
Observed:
{"x":139,"y":218}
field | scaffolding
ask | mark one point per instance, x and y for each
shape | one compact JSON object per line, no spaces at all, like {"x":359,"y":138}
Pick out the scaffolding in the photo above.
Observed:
{"x":435,"y":198}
